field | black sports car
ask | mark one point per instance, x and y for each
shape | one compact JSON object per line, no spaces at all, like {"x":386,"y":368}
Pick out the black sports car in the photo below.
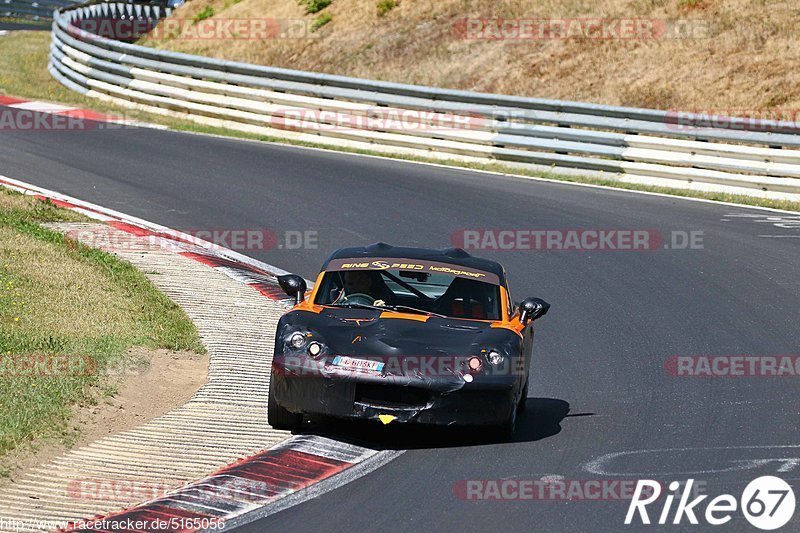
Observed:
{"x":406,"y":334}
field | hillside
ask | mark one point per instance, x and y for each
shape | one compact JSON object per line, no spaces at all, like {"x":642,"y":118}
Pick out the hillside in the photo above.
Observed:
{"x":724,"y":55}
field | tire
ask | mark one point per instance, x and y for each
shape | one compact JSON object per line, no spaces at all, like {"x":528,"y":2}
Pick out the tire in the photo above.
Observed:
{"x":507,"y":429}
{"x":523,"y":398}
{"x":504,"y":431}
{"x":280,"y":418}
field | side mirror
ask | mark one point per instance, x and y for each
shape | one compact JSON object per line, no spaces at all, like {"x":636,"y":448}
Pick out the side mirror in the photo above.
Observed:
{"x":531,"y":309}
{"x":293,"y":285}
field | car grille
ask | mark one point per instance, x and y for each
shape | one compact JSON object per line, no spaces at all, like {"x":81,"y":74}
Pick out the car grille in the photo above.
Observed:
{"x":391,"y":395}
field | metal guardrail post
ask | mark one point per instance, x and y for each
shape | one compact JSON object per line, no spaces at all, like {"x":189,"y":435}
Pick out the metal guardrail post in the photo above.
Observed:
{"x":595,"y":137}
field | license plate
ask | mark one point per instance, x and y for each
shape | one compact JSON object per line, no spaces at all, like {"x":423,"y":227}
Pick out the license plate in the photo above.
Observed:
{"x":364,"y":365}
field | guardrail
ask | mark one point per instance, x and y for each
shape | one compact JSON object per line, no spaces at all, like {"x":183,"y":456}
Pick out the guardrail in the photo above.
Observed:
{"x":664,"y":147}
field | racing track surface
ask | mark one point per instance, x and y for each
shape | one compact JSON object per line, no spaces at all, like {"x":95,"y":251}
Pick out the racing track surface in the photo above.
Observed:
{"x":598,"y":379}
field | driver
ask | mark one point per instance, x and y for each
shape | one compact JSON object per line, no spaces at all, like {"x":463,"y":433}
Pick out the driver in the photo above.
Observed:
{"x":366,"y":282}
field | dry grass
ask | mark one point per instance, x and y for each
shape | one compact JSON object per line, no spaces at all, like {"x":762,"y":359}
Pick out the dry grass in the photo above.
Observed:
{"x":55,"y":283}
{"x":26,"y":52}
{"x":749,"y":61}
{"x":64,"y":300}
{"x":63,"y":295}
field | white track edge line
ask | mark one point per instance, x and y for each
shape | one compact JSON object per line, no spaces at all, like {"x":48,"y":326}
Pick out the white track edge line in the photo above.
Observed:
{"x":488,"y":172}
{"x":357,"y":470}
{"x":24,"y":187}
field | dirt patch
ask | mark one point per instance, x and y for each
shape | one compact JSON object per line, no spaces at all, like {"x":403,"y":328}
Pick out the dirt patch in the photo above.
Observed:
{"x":168,"y":381}
{"x":70,"y":320}
{"x":161,"y":382}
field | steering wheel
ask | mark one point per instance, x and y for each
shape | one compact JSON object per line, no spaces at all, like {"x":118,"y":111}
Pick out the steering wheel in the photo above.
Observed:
{"x":357,"y":298}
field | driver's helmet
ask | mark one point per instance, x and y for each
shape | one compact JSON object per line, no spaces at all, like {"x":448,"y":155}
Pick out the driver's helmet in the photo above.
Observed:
{"x":375,"y":288}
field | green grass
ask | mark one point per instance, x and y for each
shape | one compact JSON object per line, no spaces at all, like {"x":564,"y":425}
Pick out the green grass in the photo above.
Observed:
{"x":320,"y":21}
{"x":45,"y":24}
{"x":26,"y":53}
{"x":63,"y":301}
{"x":314,"y":6}
{"x":206,"y":12}
{"x":384,"y":6}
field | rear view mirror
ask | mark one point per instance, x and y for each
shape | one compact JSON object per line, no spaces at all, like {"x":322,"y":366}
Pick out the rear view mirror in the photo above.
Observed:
{"x":531,"y":309}
{"x":419,"y":276}
{"x":294,"y":286}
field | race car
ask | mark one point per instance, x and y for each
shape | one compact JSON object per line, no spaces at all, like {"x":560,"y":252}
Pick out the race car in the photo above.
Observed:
{"x":403,"y":334}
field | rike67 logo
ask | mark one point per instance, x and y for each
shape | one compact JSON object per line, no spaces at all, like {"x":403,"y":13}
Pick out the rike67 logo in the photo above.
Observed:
{"x":767,"y":503}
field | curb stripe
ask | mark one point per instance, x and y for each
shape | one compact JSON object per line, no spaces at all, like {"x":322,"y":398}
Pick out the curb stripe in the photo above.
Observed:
{"x":10,"y":100}
{"x":50,"y":108}
{"x":261,"y":280}
{"x":247,"y":484}
{"x":246,"y":487}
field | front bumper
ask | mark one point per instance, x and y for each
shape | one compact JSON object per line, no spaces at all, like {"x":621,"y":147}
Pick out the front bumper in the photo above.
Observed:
{"x":438,"y":402}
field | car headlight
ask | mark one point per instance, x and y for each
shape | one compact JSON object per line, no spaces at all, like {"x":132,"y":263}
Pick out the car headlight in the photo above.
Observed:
{"x":314,"y":348}
{"x":474,"y":364}
{"x":297,"y":340}
{"x":495,"y":358}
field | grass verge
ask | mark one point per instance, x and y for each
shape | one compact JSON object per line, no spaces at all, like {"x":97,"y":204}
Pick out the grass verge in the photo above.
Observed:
{"x":23,"y":73}
{"x":69,"y":316}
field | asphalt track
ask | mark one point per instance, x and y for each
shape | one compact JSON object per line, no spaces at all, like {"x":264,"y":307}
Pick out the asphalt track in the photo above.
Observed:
{"x":598,"y":386}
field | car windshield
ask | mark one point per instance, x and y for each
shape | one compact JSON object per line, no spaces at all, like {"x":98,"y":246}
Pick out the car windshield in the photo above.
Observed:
{"x":409,"y":291}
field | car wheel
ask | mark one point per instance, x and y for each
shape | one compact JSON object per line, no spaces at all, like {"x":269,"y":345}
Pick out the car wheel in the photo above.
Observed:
{"x":507,"y":428}
{"x":523,"y":398}
{"x":280,"y":418}
{"x":503,"y":431}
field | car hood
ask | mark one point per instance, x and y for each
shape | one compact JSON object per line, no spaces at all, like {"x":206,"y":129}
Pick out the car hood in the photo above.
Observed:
{"x":366,"y":332}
